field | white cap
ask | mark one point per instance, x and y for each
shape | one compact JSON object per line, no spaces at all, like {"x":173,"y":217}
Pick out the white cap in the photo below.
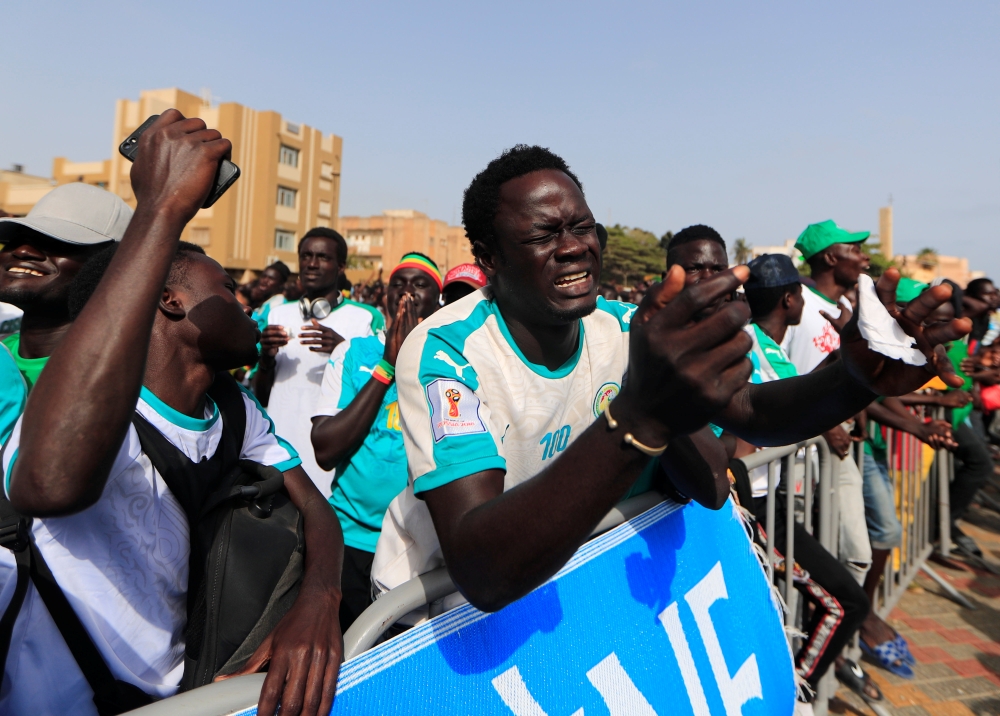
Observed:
{"x":77,"y":214}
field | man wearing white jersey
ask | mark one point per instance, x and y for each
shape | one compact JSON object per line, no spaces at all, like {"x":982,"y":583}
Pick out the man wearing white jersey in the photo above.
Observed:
{"x":510,"y":465}
{"x":298,"y":341}
{"x":836,"y":259}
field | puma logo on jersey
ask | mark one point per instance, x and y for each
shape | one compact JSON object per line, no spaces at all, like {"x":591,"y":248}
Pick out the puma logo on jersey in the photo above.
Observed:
{"x":445,"y":358}
{"x":627,"y":317}
{"x":363,"y":369}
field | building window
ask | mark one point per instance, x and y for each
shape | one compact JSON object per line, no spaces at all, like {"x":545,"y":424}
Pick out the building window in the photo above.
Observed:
{"x":284,"y":240}
{"x":288,"y":155}
{"x":286,"y":197}
{"x":326,"y":170}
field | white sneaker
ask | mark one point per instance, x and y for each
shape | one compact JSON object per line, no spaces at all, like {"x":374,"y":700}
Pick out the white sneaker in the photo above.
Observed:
{"x":803,"y":708}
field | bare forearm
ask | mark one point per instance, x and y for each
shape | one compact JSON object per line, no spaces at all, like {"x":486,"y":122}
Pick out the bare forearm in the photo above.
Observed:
{"x":324,"y":539}
{"x":512,"y":542}
{"x":921,"y":399}
{"x":334,"y":437}
{"x":893,"y":419}
{"x":76,"y":418}
{"x":783,"y":412}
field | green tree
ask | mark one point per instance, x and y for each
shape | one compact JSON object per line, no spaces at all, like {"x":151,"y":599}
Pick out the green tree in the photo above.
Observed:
{"x":742,"y":251}
{"x":927,"y":258}
{"x":879,"y":262}
{"x":631,"y":254}
{"x":665,"y":240}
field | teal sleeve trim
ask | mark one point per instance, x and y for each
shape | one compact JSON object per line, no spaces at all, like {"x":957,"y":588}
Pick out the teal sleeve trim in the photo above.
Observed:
{"x":287,"y":465}
{"x":7,"y":472}
{"x":450,"y":473}
{"x":622,"y":311}
{"x":716,"y":429}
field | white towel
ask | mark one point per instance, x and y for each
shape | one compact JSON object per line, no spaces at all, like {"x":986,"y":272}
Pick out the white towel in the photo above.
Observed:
{"x":883,"y":333}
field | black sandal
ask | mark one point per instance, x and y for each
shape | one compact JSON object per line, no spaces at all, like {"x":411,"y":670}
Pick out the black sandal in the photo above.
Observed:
{"x":851,"y":675}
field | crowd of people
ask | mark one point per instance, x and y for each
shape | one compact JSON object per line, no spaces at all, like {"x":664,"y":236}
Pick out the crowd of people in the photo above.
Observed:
{"x":156,"y":417}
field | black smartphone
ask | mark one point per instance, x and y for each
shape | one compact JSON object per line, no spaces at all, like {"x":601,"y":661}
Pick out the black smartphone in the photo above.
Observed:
{"x":224,"y":178}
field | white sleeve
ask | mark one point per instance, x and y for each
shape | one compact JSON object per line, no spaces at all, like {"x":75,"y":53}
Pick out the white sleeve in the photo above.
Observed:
{"x":127,"y":454}
{"x":332,"y":386}
{"x":260,"y":444}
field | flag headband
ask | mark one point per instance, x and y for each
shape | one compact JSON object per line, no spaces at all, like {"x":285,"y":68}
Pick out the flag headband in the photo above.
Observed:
{"x":420,"y":262}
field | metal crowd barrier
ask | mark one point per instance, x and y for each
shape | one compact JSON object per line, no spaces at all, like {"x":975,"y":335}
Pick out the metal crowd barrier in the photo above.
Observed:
{"x":234,"y":695}
{"x":922,"y":497}
{"x":921,"y":478}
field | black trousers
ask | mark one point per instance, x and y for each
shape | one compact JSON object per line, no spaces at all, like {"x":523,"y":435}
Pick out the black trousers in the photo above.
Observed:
{"x":973,"y":468}
{"x":355,"y":585}
{"x":838,"y":601}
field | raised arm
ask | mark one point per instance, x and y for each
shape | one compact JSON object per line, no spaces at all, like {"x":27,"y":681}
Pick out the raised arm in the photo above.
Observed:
{"x":82,"y":405}
{"x":500,"y":545}
{"x":787,"y":411}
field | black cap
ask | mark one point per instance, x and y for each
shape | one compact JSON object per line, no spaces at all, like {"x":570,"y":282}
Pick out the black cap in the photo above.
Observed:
{"x":771,"y":270}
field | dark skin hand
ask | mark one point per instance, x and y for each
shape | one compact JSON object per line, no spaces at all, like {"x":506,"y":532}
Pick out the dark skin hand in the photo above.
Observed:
{"x":412,"y":296}
{"x":545,"y":277}
{"x":36,"y":272}
{"x":786,"y":411}
{"x":892,"y":413}
{"x":319,"y":272}
{"x":192,"y":331}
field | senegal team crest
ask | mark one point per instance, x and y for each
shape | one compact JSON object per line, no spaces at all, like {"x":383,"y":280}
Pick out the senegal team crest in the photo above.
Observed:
{"x":605,"y":394}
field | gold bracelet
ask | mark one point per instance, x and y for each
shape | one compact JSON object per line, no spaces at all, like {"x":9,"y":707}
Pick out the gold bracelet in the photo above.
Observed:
{"x":629,"y":438}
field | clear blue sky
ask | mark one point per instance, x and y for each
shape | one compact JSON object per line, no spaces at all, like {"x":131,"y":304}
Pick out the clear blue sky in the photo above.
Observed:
{"x":755,"y":118}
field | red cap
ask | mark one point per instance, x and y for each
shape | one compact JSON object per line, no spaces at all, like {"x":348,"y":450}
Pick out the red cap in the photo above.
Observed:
{"x":466,"y":273}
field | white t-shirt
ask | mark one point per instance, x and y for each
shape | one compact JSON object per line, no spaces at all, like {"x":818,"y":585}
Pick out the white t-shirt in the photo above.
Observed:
{"x":810,"y":342}
{"x":298,"y":375}
{"x":123,"y":565}
{"x":470,"y":401}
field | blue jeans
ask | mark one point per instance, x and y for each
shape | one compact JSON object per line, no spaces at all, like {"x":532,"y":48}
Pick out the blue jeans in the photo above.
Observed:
{"x":884,"y":528}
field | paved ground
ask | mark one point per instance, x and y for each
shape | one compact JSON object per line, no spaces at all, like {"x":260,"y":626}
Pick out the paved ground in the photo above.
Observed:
{"x":957,"y":650}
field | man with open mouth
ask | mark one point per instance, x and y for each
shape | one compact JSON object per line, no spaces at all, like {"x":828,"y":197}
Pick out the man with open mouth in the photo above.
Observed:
{"x":520,"y":424}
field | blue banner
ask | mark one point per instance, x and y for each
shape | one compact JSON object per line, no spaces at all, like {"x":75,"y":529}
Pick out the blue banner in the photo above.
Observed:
{"x":669,"y":613}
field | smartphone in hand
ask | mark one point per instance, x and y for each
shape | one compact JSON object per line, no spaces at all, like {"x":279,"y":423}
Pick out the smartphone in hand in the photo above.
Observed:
{"x":224,"y":178}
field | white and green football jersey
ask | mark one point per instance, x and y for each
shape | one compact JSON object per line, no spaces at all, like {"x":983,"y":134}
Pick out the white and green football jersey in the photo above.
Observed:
{"x":470,"y":401}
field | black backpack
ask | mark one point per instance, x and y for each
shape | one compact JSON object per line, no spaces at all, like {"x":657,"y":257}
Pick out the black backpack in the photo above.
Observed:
{"x":246,"y":564}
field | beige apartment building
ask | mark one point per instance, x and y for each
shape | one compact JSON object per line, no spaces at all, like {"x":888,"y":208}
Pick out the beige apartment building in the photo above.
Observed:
{"x":378,"y":242}
{"x":20,"y":191}
{"x":289,"y":183}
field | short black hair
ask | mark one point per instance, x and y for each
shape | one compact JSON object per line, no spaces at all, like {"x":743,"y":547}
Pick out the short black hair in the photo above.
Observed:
{"x":90,"y":274}
{"x":763,"y":301}
{"x":977,"y":286}
{"x":281,"y":268}
{"x":482,"y":198}
{"x":695,"y":233}
{"x":323,"y":232}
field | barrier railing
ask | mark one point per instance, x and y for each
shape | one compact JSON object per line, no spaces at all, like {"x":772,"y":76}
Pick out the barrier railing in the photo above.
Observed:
{"x":922,"y":498}
{"x":921,"y":478}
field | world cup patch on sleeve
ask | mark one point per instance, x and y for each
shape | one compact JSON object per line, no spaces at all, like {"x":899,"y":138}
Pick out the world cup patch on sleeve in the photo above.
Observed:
{"x":454,"y":409}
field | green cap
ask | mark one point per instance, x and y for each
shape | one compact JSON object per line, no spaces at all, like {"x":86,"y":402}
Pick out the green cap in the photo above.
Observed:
{"x":908,"y":289}
{"x":825,"y":234}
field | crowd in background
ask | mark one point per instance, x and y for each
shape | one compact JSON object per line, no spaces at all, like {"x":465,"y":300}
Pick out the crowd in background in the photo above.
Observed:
{"x":400,"y":409}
